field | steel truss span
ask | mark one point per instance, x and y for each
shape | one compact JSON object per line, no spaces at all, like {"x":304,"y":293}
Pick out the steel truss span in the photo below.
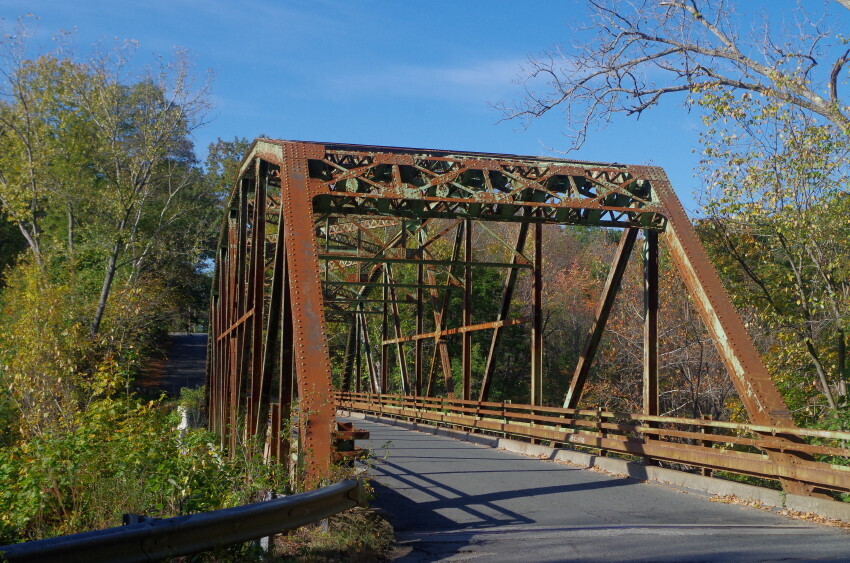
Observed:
{"x":374,"y":240}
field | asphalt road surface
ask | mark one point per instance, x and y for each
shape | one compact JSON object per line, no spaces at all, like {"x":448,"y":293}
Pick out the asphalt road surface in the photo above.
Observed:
{"x":455,"y":501}
{"x":186,"y":365}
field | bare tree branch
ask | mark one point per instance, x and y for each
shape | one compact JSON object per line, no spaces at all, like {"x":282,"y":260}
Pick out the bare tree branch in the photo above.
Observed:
{"x":636,"y":53}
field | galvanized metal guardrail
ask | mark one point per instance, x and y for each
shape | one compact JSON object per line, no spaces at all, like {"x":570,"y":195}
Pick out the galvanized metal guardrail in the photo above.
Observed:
{"x":157,"y":539}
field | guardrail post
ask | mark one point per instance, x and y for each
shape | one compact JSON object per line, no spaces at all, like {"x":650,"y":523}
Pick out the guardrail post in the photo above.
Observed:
{"x":602,"y":432}
{"x":706,"y":430}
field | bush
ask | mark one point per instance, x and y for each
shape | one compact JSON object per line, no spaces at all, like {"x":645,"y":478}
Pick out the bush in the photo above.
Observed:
{"x":77,"y":447}
{"x":123,"y":456}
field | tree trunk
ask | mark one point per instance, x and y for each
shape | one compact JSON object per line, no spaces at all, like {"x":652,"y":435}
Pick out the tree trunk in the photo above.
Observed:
{"x":70,"y":238}
{"x":842,"y":359}
{"x":32,"y":241}
{"x":109,"y":276}
{"x":821,"y":373}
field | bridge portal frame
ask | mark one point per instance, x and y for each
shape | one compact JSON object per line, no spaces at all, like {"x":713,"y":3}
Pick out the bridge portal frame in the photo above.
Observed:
{"x":268,"y":314}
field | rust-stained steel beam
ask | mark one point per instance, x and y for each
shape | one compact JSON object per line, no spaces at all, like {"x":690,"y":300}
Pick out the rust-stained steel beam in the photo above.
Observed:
{"x":257,"y":402}
{"x":384,"y":260}
{"x":466,"y":345}
{"x":385,"y":327}
{"x":650,"y":323}
{"x":286,"y":365}
{"x":749,"y":375}
{"x":537,"y":318}
{"x":609,"y":293}
{"x":420,"y":320}
{"x":459,"y":330}
{"x":358,"y":356}
{"x":311,"y":356}
{"x":504,"y":311}
{"x":374,"y":378}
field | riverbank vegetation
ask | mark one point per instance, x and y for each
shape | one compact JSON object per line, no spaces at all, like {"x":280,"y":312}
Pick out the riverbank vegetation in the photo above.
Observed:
{"x":108,"y":219}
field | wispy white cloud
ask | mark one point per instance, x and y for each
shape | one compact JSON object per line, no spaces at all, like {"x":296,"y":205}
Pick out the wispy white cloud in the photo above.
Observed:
{"x":476,"y":81}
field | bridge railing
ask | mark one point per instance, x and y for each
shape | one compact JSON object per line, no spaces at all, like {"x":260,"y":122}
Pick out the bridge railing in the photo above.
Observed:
{"x":156,"y":539}
{"x":822,"y":457}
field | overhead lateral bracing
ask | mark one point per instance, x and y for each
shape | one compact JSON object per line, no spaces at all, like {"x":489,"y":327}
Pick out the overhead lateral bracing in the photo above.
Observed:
{"x":371,"y":237}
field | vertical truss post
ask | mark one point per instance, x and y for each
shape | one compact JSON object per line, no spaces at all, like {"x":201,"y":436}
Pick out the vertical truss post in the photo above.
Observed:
{"x":537,"y":318}
{"x":420,"y":326}
{"x":504,"y":311}
{"x":385,"y":327}
{"x":238,"y":342}
{"x":467,"y":312}
{"x":258,"y":402}
{"x":231,"y":313}
{"x":271,"y":370}
{"x":361,"y":329}
{"x":349,"y":358}
{"x":214,"y":369}
{"x":211,"y":395}
{"x":358,"y":372}
{"x":374,"y":379}
{"x":609,"y":293}
{"x":312,"y":358}
{"x":650,"y":322}
{"x":274,"y":432}
{"x":228,"y":343}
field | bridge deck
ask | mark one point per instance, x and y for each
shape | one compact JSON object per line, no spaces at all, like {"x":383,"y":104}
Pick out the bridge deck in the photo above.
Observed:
{"x":455,"y":501}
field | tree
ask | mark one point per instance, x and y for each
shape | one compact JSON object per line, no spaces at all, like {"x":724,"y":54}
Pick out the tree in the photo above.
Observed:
{"x":106,"y":148}
{"x":778,"y":222}
{"x":634,"y":53}
{"x":142,"y":126}
{"x":222,"y":164}
{"x":31,"y":131}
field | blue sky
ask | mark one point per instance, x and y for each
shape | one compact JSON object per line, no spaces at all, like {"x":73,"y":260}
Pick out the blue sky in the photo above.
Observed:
{"x":382,"y":72}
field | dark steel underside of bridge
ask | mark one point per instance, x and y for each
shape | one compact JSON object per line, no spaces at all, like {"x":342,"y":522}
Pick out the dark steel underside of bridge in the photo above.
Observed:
{"x":321,"y":233}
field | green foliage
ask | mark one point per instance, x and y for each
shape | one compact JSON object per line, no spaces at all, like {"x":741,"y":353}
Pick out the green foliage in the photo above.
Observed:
{"x":41,"y":348}
{"x":222,"y":164}
{"x":121,"y":456}
{"x":77,"y":448}
{"x":778,"y":227}
{"x":97,"y":169}
{"x":108,"y":223}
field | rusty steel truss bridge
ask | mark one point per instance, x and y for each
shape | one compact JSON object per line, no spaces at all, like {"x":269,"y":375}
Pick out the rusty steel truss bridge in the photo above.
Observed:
{"x":376,"y":239}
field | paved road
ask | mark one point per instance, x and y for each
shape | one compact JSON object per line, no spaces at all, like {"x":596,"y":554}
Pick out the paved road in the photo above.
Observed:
{"x":455,"y":501}
{"x":186,"y":365}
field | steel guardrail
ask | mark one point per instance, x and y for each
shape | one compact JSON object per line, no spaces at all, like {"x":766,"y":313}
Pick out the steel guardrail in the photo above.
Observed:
{"x":712,"y":445}
{"x":156,"y":539}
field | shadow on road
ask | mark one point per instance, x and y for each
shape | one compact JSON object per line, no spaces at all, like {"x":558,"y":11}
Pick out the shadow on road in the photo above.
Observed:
{"x":435,"y":498}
